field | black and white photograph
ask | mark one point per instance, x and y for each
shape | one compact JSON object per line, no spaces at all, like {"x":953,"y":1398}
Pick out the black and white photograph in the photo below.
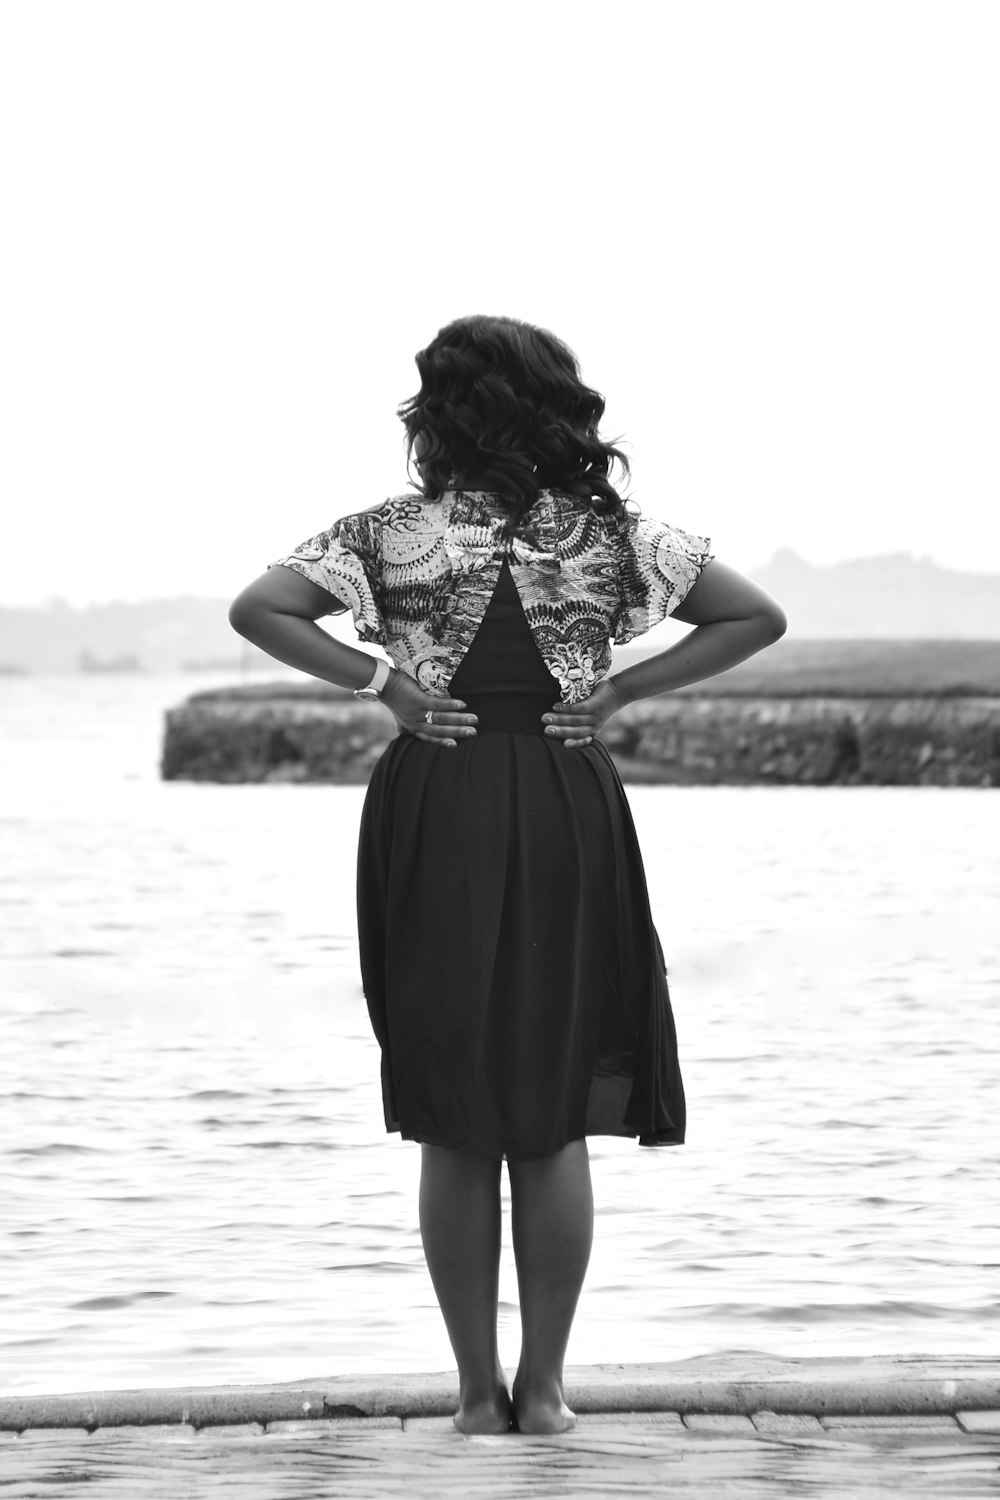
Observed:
{"x":499,"y":749}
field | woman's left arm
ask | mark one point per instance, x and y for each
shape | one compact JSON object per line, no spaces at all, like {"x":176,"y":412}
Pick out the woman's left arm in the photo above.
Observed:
{"x":278,"y":613}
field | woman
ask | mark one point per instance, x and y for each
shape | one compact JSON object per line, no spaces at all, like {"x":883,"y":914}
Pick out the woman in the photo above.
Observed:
{"x":514,"y":976}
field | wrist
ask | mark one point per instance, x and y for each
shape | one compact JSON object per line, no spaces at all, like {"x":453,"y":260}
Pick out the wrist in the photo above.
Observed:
{"x":614,"y":683}
{"x":374,"y":689}
{"x":392,"y":682}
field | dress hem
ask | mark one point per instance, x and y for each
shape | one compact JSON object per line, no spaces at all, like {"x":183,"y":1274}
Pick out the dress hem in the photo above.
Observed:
{"x":642,"y":1139}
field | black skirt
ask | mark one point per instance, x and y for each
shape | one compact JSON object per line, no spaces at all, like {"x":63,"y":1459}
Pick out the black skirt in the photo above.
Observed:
{"x":514,"y":977}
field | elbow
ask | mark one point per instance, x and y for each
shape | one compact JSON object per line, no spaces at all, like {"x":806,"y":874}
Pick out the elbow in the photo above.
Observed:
{"x":240,"y":616}
{"x":777,"y":622}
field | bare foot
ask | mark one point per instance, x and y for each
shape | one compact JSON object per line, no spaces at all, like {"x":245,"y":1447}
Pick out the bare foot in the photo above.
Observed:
{"x":482,"y":1417}
{"x":542,"y":1411}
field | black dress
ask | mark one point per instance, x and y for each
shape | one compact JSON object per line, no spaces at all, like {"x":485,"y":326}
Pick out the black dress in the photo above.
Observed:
{"x":514,"y":977}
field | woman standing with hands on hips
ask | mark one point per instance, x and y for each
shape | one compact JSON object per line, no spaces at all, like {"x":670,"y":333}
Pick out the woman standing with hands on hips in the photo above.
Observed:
{"x":513,"y":973}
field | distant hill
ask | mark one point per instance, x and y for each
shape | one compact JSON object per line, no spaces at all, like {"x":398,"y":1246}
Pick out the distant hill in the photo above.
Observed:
{"x":158,"y":635}
{"x":894,"y":597}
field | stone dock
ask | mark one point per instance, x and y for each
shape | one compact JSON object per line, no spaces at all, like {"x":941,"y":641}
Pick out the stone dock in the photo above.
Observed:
{"x":724,"y":1425}
{"x":312,"y":732}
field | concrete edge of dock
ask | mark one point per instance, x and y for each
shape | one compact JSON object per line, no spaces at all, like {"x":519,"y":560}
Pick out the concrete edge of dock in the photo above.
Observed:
{"x":725,"y":1385}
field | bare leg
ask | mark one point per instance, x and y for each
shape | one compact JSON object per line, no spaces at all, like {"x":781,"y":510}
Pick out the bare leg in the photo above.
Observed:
{"x":460,"y":1228}
{"x":552,"y":1205}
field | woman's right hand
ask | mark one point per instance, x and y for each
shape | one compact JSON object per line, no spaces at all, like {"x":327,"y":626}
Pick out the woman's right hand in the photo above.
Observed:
{"x":408,"y":705}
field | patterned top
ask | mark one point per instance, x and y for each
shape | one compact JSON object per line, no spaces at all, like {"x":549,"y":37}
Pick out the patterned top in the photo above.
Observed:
{"x":418,"y":576}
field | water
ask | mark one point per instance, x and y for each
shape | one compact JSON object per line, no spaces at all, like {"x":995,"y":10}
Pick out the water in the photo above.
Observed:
{"x":195,"y":1177}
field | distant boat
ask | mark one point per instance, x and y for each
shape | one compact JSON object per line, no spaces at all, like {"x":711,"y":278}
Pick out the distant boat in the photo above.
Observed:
{"x":88,"y":662}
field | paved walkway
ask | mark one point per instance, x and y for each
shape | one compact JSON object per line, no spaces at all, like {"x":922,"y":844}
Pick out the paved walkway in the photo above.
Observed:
{"x":919,"y":1427}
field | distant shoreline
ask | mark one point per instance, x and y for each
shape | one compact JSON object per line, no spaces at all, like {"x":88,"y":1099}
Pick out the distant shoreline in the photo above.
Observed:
{"x":791,"y":668}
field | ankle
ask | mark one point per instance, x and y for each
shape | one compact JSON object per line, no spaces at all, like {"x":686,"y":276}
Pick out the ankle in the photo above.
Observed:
{"x":541,"y":1408}
{"x":542,"y":1384}
{"x":480,"y":1388}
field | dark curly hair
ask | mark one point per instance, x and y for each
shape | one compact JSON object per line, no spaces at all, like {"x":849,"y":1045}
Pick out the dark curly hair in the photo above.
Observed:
{"x":501,"y":407}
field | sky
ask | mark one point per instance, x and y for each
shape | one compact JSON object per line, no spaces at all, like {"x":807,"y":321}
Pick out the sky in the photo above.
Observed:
{"x":768,"y":229}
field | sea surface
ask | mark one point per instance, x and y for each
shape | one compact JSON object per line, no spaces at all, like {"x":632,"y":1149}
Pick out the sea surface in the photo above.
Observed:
{"x":195,"y":1179}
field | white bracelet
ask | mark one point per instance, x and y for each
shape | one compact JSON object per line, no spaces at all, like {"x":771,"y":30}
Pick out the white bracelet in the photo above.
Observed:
{"x":380,"y":676}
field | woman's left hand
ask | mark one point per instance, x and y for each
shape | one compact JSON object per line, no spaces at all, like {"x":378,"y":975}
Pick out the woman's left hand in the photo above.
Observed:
{"x":577,"y":723}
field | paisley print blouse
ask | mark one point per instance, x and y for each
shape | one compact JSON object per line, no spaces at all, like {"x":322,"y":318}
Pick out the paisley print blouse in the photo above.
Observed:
{"x":419,"y":574}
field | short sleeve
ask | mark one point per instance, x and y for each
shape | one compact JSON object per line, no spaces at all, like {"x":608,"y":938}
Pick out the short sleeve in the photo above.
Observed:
{"x":346,"y":560}
{"x":658,"y":565}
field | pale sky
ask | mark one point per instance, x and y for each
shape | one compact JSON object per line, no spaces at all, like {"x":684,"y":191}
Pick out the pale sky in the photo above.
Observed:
{"x":769,"y":229}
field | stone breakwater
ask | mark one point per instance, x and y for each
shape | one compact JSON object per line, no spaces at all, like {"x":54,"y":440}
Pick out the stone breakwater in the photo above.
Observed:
{"x":688,"y":740}
{"x":680,"y":739}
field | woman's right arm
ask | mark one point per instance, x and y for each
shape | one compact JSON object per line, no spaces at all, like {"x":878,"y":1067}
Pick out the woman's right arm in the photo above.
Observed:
{"x":734,"y":619}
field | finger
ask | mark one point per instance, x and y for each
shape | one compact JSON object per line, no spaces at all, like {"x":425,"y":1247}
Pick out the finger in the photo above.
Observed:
{"x":460,"y":729}
{"x":567,"y":731}
{"x":438,"y":731}
{"x":452,"y":723}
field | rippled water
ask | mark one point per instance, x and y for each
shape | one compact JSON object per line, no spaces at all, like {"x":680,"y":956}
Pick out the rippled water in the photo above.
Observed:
{"x":196,"y":1181}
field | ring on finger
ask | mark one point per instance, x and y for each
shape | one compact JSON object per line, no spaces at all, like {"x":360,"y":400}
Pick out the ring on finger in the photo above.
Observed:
{"x":429,"y":715}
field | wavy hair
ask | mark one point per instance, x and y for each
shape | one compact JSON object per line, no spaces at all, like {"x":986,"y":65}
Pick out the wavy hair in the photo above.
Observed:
{"x":501,"y":407}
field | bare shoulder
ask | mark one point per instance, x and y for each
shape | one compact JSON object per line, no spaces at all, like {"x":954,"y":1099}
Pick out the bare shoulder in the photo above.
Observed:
{"x":722,"y":593}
